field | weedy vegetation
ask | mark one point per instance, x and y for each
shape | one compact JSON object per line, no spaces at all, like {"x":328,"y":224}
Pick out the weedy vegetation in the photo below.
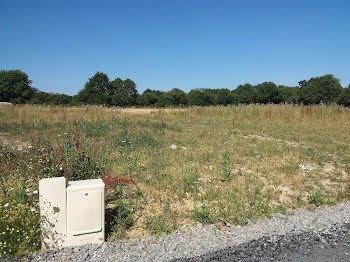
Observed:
{"x":230,"y":164}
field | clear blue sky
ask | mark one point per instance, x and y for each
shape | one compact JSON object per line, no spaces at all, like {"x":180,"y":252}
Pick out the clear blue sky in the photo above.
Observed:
{"x":175,"y":44}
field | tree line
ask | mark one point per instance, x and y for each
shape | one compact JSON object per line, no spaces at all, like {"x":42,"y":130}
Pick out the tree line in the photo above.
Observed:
{"x":15,"y":87}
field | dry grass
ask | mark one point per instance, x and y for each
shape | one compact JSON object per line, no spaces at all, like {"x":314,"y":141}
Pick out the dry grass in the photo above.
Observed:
{"x":238,"y":162}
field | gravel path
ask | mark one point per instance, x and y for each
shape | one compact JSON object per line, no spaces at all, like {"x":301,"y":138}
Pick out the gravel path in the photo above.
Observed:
{"x":333,"y":245}
{"x":276,"y":238}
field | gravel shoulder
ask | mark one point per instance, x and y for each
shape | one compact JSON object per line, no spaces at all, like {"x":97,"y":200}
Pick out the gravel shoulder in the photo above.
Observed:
{"x":277,"y":238}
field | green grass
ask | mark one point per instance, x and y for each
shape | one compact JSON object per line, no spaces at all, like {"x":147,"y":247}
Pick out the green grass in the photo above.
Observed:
{"x":231,"y":164}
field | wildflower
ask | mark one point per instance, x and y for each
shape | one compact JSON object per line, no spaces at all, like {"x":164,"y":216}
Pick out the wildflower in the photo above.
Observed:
{"x":27,"y":190}
{"x":173,"y":146}
{"x":33,"y":210}
{"x":27,"y":237}
{"x":6,"y":205}
{"x":35,"y":192}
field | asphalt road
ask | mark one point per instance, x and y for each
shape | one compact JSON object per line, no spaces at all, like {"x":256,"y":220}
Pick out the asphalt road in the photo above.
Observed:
{"x":311,"y":247}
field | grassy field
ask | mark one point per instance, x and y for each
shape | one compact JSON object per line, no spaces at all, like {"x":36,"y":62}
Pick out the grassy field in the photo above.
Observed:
{"x":222,"y":165}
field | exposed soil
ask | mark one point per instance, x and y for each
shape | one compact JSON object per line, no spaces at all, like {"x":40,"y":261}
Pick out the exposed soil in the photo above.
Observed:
{"x":8,"y":141}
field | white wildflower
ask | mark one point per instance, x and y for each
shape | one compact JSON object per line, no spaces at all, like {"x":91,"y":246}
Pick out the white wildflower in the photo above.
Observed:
{"x":35,"y":192}
{"x":6,"y":205}
{"x":33,"y":210}
{"x":27,"y":190}
{"x":173,"y":146}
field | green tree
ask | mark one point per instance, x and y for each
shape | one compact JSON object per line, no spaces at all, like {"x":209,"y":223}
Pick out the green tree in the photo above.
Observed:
{"x":115,"y":86}
{"x":324,"y":89}
{"x":95,"y":90}
{"x":224,"y":97}
{"x":149,"y":98}
{"x":122,"y":93}
{"x":210,"y":97}
{"x":245,"y":94}
{"x":121,"y":99}
{"x":130,"y":88}
{"x":175,"y":97}
{"x":98,"y":83}
{"x":268,"y":92}
{"x":42,"y":98}
{"x":289,"y":94}
{"x":60,"y":99}
{"x":344,"y":98}
{"x":15,"y":87}
{"x":196,"y":97}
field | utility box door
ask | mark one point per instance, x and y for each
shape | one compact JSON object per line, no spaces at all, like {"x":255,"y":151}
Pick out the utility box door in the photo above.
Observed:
{"x":85,"y":212}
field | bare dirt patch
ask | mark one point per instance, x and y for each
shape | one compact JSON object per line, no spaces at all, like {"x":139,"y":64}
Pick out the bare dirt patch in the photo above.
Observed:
{"x":5,"y":104}
{"x":277,"y":140}
{"x":8,"y":141}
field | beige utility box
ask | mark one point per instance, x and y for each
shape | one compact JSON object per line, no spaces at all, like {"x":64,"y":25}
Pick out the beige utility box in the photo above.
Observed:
{"x":85,"y":212}
{"x":71,"y":213}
